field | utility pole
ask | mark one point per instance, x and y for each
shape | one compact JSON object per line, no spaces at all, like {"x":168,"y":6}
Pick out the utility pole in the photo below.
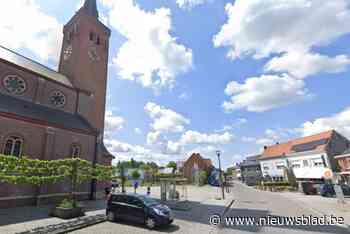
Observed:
{"x":218,"y":153}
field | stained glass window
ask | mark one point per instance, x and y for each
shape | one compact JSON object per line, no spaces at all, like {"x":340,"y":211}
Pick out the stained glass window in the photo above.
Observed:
{"x":14,"y":84}
{"x":58,"y":99}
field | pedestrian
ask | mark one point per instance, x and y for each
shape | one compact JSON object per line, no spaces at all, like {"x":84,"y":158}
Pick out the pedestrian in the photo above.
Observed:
{"x":107,"y":191}
{"x":136,"y":185}
{"x":148,"y":190}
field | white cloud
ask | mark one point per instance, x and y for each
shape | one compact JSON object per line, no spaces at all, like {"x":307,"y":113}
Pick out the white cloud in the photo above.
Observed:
{"x":265,"y":141}
{"x":248,"y":139}
{"x":23,"y":24}
{"x":239,"y":122}
{"x":121,"y":147}
{"x":340,"y":122}
{"x":165,"y":120}
{"x":264,"y":27}
{"x":154,"y":138}
{"x":193,"y":137}
{"x":138,"y":131}
{"x":151,"y":56}
{"x":259,"y":94}
{"x":125,"y":151}
{"x":203,"y":150}
{"x":184,"y":96}
{"x":302,"y":65}
{"x":113,"y":123}
{"x":189,"y":4}
{"x":172,"y":148}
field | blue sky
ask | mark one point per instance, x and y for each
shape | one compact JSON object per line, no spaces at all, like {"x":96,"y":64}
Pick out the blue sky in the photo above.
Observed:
{"x":198,"y":75}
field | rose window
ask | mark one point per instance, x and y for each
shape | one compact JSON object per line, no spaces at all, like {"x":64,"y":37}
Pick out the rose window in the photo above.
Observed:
{"x":14,"y":84}
{"x":58,"y":99}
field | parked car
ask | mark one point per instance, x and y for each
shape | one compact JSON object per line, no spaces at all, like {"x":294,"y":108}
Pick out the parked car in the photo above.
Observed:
{"x":309,"y":188}
{"x":139,"y":209}
{"x":327,"y":190}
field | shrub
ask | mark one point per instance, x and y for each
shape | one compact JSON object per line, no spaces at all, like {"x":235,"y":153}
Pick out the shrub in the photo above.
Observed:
{"x":68,"y":204}
{"x":203,"y":178}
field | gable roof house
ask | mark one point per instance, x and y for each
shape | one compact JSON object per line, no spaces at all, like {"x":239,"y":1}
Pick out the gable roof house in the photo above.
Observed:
{"x":308,"y":156}
{"x":194,"y":164}
{"x":251,"y":170}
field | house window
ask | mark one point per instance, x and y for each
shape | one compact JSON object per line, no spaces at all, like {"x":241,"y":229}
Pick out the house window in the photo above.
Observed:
{"x":98,"y":40}
{"x":13,"y":146}
{"x":75,"y":151}
{"x":266,"y":168}
{"x":280,"y":167}
{"x":305,"y":163}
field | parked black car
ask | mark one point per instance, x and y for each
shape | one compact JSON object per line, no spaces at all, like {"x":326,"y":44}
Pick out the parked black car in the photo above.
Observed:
{"x":138,"y":208}
{"x":308,"y":188}
{"x":327,"y":190}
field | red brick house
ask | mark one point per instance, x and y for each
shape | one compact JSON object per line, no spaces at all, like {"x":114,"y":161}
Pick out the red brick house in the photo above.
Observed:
{"x":194,"y":164}
{"x":49,"y":114}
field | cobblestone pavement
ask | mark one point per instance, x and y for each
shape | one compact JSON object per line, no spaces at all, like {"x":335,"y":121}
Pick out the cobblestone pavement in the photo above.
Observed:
{"x":249,"y":202}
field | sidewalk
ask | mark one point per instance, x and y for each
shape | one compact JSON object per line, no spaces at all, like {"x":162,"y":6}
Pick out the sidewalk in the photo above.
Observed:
{"x":22,"y":219}
{"x":322,"y":205}
{"x":201,"y":199}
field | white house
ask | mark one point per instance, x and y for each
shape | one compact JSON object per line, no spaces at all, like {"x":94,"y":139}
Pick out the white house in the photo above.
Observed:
{"x":309,"y":164}
{"x":308,"y":156}
{"x":273,"y":167}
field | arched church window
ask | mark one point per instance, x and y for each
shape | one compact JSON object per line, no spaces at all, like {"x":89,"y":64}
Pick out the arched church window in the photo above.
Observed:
{"x":58,"y":99}
{"x":13,"y":146}
{"x":75,"y":151}
{"x":14,"y":84}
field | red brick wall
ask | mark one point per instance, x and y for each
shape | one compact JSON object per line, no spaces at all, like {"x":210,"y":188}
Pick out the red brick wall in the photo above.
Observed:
{"x":189,"y":165}
{"x":38,"y":89}
{"x":84,"y":73}
{"x":35,"y":146}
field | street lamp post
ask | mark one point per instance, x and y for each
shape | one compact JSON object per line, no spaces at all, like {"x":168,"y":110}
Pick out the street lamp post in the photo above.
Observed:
{"x":218,"y":153}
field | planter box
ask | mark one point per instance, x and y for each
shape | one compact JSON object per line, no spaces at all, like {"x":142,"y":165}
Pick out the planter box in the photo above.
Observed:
{"x":65,"y":213}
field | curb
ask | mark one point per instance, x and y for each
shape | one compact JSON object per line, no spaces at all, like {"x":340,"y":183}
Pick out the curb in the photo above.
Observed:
{"x":66,"y":227}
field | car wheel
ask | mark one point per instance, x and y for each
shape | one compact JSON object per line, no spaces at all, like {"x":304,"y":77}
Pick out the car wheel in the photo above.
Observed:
{"x":111,"y":216}
{"x":150,"y":223}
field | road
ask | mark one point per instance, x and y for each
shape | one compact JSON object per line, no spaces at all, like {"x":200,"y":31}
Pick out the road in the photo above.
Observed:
{"x":248,"y":202}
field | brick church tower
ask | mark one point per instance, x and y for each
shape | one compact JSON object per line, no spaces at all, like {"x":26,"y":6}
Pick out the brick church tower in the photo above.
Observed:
{"x":84,"y":59}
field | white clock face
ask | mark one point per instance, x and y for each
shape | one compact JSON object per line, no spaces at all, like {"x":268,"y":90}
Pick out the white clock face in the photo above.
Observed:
{"x":67,"y":52}
{"x":93,"y":55}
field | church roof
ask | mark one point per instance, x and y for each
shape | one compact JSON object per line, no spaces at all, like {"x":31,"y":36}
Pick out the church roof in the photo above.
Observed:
{"x":14,"y":58}
{"x":35,"y":112}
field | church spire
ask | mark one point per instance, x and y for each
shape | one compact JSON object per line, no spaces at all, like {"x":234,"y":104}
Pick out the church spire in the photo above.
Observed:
{"x":91,"y":7}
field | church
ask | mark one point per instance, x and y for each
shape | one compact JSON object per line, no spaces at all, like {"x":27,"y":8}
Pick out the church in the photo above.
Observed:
{"x":47,"y":114}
